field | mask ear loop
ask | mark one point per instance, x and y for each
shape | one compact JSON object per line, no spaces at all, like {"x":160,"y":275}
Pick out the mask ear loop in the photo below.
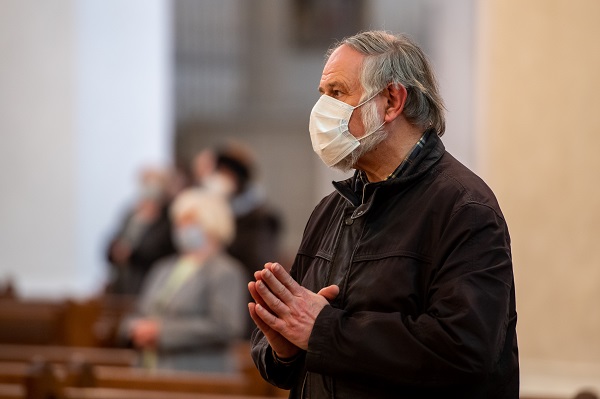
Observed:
{"x":379,"y":127}
{"x":373,"y":132}
{"x":367,"y":100}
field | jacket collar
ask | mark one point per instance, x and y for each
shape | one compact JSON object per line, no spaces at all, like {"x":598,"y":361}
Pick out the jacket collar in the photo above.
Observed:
{"x":355,"y":191}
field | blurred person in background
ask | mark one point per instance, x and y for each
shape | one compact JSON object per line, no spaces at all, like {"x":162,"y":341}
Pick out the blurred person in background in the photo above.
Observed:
{"x":193,"y":305}
{"x":144,"y":235}
{"x":258,"y":226}
{"x":203,"y":166}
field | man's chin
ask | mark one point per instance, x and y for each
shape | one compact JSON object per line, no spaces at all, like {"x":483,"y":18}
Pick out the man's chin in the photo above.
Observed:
{"x":349,"y":162}
{"x":345,"y":165}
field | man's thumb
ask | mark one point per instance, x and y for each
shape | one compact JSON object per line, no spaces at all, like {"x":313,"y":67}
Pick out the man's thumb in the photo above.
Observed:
{"x":330,"y":292}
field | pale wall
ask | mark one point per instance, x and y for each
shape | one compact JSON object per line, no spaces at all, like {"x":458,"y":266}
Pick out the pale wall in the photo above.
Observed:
{"x":37,"y":143}
{"x":539,"y":81}
{"x":84,"y":103}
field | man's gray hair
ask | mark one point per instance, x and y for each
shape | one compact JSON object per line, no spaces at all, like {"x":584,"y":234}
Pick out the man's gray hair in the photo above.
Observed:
{"x":395,"y":59}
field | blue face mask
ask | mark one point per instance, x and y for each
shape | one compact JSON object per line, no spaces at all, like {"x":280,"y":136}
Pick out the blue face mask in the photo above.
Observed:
{"x":189,"y":238}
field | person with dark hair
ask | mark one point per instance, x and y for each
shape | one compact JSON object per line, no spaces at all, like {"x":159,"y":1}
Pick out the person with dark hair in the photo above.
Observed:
{"x":403,"y":283}
{"x":258,"y":225}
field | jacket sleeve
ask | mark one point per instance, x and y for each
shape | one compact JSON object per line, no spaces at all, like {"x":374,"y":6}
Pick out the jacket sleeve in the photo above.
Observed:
{"x":282,"y":375}
{"x":461,"y":333}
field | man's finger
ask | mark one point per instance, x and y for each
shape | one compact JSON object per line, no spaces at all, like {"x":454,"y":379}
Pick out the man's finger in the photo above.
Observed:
{"x":284,"y":277}
{"x":258,"y":275}
{"x":269,"y":319}
{"x":276,"y":286}
{"x":273,"y":302}
{"x":257,"y":320}
{"x":256,"y":296}
{"x":253,"y":293}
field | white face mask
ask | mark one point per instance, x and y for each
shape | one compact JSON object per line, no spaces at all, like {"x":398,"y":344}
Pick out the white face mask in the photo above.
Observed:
{"x":220,"y":184}
{"x":151,"y":191}
{"x":328,"y":127}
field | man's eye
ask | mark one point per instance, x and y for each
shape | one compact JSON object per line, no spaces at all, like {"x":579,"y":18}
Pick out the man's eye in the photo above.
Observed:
{"x":336,"y":93}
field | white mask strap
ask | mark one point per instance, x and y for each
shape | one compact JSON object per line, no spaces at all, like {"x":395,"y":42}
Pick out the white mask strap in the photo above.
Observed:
{"x":367,"y":100}
{"x":370,"y":133}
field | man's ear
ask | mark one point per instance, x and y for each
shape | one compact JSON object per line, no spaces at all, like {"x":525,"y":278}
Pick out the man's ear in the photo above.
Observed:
{"x":396,"y":95}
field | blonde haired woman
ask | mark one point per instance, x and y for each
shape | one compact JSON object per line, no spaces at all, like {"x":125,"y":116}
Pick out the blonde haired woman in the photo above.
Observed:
{"x":192,"y":306}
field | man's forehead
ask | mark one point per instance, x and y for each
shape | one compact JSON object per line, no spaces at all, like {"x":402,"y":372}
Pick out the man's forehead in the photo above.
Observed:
{"x":344,"y":58}
{"x":342,"y":68}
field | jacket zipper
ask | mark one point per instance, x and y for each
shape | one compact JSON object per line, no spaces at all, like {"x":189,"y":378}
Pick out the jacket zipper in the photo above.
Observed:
{"x":362,"y":200}
{"x":303,"y":385}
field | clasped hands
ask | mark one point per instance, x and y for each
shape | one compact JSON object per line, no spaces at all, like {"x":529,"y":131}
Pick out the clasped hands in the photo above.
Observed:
{"x":144,"y":333}
{"x":284,"y":310}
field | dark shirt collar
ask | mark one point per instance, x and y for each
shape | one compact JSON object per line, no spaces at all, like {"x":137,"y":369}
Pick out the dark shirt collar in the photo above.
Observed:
{"x":406,"y":162}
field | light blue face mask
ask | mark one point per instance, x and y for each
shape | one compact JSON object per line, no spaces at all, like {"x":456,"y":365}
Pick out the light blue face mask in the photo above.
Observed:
{"x":189,"y":238}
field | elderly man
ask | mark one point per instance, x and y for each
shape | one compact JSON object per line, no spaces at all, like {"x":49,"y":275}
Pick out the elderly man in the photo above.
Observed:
{"x":403,"y":284}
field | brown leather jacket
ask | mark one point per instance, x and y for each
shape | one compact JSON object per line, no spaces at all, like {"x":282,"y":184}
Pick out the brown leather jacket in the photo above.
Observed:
{"x":427,"y":304}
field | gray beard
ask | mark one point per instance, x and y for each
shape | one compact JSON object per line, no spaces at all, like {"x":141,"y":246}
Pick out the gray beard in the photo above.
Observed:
{"x":372,"y":122}
{"x":349,"y":161}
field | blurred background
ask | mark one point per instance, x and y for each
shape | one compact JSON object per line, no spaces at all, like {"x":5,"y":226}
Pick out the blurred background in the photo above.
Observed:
{"x":93,"y":91}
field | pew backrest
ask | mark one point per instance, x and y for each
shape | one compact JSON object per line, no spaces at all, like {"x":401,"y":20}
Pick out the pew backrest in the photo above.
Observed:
{"x":66,"y":354}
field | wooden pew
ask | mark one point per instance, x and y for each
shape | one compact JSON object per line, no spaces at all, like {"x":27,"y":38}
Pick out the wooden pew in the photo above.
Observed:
{"x":67,"y":354}
{"x":126,"y":358}
{"x":32,"y":321}
{"x":39,"y":380}
{"x":112,"y":310}
{"x":247,"y":381}
{"x":91,"y":322}
{"x":42,"y":322}
{"x":79,"y":374}
{"x":12,"y":391}
{"x":112,"y":368}
{"x":139,"y":379}
{"x":111,"y":393}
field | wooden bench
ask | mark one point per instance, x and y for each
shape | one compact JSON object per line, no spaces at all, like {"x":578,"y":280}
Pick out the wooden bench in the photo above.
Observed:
{"x":83,"y":375}
{"x":108,"y":393}
{"x":68,"y":354}
{"x":111,"y":310}
{"x":12,"y":391}
{"x":32,"y":322}
{"x":139,"y":379}
{"x":38,"y":322}
{"x":111,"y":369}
{"x":9,"y":391}
{"x":92,"y":322}
{"x":39,"y":380}
{"x":13,"y":372}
